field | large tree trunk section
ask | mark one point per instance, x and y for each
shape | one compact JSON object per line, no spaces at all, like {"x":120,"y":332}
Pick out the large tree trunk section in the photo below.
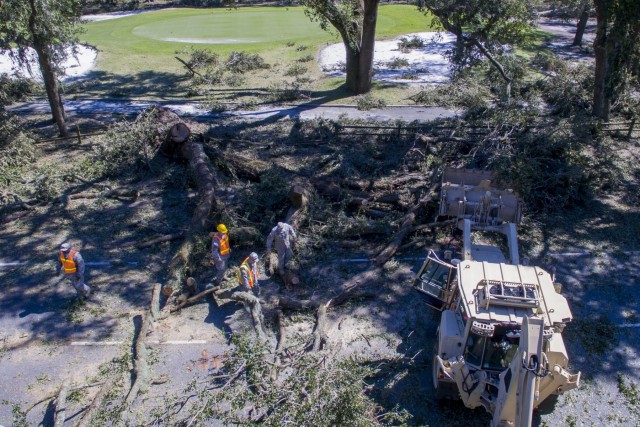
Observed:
{"x":299,"y":197}
{"x":359,"y":60}
{"x":48,"y":75}
{"x":178,"y":143}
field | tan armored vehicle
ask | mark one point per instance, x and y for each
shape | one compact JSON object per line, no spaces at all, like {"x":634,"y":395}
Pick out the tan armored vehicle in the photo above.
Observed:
{"x":499,"y":344}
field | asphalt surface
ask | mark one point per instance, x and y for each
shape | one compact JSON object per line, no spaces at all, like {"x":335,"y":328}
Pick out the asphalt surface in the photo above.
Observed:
{"x":303,"y":112}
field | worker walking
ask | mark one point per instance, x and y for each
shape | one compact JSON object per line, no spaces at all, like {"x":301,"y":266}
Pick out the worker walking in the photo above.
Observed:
{"x":71,"y":263}
{"x":248,"y":275}
{"x":220,"y":250}
{"x":284,"y":237}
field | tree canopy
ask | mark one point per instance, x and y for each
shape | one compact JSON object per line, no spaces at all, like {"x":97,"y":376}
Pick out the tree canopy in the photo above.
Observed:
{"x":49,"y":28}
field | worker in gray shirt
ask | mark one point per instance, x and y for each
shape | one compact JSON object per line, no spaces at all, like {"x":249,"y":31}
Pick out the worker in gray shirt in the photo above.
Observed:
{"x":70,"y":263}
{"x":248,"y":274}
{"x":284,"y":237}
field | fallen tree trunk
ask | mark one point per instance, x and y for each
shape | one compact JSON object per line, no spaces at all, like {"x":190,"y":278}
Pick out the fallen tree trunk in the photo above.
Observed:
{"x":61,"y":405}
{"x":282,"y":338}
{"x":178,"y":144}
{"x":253,"y":305}
{"x":116,"y":193}
{"x":406,"y":226}
{"x":96,"y":403}
{"x":141,"y":374}
{"x":194,"y":299}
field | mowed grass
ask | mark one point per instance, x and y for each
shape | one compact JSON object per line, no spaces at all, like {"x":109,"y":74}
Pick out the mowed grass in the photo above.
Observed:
{"x":144,"y":45}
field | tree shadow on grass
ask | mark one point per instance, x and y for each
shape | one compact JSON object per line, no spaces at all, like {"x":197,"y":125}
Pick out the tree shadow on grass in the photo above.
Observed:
{"x":148,"y":84}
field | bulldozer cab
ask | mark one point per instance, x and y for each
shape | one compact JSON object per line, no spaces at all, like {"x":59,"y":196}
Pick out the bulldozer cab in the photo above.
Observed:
{"x":437,"y":280}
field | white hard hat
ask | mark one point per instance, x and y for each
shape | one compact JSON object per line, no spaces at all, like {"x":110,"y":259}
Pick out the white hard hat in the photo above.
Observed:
{"x":253,"y":256}
{"x":65,"y":247}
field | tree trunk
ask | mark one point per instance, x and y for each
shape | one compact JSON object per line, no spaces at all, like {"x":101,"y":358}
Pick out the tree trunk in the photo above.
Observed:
{"x":177,"y":142}
{"x":48,"y":75}
{"x":601,"y":103}
{"x":360,"y":57}
{"x":582,"y":24}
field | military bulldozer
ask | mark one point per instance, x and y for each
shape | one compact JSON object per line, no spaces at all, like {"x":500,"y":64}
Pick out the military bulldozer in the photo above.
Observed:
{"x":499,"y":344}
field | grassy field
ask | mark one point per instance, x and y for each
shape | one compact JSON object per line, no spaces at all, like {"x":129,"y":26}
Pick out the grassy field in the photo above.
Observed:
{"x":140,"y":48}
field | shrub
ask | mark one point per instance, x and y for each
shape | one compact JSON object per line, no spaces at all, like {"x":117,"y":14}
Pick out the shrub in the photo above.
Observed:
{"x":241,"y":62}
{"x":296,"y":70}
{"x":368,"y":102}
{"x":285,"y":92}
{"x":301,"y":48}
{"x":397,"y":62}
{"x":414,"y":42}
{"x":306,"y":58}
{"x":17,"y":150}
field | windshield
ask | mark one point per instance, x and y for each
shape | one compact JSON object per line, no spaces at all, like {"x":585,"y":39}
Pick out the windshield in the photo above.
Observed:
{"x":492,"y":353}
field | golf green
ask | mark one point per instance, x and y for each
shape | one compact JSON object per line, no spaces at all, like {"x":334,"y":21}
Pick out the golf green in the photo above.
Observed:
{"x":148,"y":41}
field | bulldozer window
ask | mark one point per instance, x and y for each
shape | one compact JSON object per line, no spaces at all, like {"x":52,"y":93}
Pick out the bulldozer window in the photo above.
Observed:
{"x":475,"y":349}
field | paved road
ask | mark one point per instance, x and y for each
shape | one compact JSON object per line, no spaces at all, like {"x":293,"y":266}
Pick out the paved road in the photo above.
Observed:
{"x":304,"y":112}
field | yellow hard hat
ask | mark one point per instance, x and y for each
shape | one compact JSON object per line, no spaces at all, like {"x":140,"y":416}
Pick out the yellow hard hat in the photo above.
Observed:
{"x":221,"y":228}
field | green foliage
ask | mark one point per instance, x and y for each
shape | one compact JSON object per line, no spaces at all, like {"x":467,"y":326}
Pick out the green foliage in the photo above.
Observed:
{"x":296,"y":70}
{"x":368,"y":102}
{"x":124,"y":148}
{"x":55,"y":27}
{"x":284,"y":92}
{"x":309,"y":393}
{"x":407,"y":43}
{"x":14,"y":89}
{"x":397,"y":62}
{"x":241,"y":62}
{"x":306,"y":58}
{"x":17,"y":151}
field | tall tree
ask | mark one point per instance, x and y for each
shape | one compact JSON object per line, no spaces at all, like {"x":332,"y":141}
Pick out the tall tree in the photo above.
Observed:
{"x":355,"y":21}
{"x":484,"y":28}
{"x":49,"y":28}
{"x":570,"y":10}
{"x":617,"y":49}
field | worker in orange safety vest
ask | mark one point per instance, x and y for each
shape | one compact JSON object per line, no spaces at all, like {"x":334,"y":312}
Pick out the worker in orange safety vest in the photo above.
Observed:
{"x":71,"y":263}
{"x":248,"y":275}
{"x":220,"y":251}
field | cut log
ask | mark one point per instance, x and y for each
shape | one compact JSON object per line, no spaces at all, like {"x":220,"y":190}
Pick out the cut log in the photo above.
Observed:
{"x":388,"y":198}
{"x":155,"y":302}
{"x":282,"y":338}
{"x":299,"y":197}
{"x":375,"y":213}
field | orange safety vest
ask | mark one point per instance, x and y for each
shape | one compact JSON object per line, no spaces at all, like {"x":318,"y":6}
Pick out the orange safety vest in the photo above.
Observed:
{"x":223,"y":243}
{"x":68,"y":264}
{"x":246,"y":267}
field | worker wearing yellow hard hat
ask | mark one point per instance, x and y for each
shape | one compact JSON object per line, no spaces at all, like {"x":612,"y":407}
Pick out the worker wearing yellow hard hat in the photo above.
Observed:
{"x":220,"y":250}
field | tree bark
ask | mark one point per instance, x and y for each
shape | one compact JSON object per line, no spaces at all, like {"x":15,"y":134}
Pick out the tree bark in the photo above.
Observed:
{"x":601,"y":102}
{"x":177,"y":142}
{"x":405,"y":228}
{"x":319,"y":333}
{"x":582,"y":23}
{"x":61,"y":405}
{"x":359,"y":58}
{"x":253,"y":305}
{"x":48,"y":75}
